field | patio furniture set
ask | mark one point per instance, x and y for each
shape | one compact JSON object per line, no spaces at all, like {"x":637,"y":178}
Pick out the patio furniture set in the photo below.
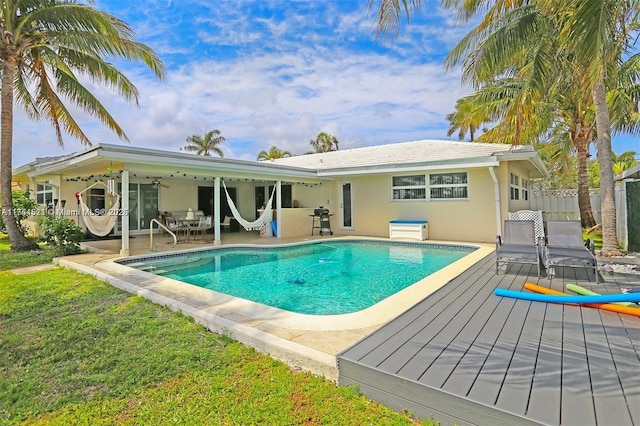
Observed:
{"x":560,"y":244}
{"x":183,"y":225}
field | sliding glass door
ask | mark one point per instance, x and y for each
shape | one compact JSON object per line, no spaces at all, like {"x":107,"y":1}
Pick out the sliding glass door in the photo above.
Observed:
{"x":143,"y":206}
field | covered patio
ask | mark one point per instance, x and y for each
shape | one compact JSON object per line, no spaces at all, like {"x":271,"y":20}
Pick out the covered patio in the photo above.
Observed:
{"x":152,"y":185}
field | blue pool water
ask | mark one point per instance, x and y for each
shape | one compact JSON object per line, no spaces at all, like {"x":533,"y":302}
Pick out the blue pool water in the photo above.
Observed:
{"x":319,"y":278}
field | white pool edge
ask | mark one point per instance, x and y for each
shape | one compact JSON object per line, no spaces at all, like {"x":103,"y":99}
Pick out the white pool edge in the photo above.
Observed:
{"x":211,"y":309}
{"x":381,"y":312}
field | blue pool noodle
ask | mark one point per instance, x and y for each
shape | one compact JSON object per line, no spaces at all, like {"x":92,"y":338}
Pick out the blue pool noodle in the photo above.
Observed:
{"x":536,"y":297}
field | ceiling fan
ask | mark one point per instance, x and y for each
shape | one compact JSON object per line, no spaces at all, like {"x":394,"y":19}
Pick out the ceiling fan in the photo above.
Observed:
{"x":157,"y":184}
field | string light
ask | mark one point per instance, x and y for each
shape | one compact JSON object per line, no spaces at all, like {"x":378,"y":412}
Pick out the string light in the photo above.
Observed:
{"x":195,"y":177}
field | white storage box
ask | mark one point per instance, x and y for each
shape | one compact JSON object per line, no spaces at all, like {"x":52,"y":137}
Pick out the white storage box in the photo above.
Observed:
{"x":411,"y":229}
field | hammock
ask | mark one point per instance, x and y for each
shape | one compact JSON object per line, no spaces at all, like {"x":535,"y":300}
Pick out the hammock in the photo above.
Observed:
{"x":99,"y":225}
{"x":256,"y":224}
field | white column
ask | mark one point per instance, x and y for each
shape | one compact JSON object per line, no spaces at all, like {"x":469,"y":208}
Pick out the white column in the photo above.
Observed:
{"x":124,"y":199}
{"x":216,"y":213}
{"x":278,"y":208}
{"x":496,"y":186}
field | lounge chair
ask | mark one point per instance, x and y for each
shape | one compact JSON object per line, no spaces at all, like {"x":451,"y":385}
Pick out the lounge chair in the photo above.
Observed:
{"x":519,"y":244}
{"x":566,"y":247}
{"x":536,"y":217}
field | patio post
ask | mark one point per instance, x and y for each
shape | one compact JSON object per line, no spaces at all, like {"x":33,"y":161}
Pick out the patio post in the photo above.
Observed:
{"x":124,"y":198}
{"x":496,"y":186}
{"x":278,"y":208}
{"x":216,"y":212}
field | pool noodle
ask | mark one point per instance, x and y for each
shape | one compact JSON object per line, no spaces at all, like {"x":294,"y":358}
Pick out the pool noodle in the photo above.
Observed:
{"x":567,"y":298}
{"x":605,"y":306}
{"x":586,"y":292}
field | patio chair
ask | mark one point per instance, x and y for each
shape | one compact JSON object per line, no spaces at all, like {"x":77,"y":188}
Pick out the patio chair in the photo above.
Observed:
{"x":204,"y":224}
{"x":566,"y":247}
{"x":536,"y":217}
{"x":519,"y":244}
{"x":226,"y":223}
{"x":176,"y":227}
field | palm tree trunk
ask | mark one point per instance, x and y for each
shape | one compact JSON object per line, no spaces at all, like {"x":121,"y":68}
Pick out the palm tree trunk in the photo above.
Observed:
{"x":584,"y":200}
{"x":603,"y":124}
{"x":18,"y":241}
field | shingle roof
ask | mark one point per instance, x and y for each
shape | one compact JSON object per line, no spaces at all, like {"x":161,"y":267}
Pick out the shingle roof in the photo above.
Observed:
{"x":423,"y":151}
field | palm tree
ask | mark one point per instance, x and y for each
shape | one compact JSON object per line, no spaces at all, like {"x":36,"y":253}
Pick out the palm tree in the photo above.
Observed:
{"x":598,"y":32}
{"x":466,"y":117}
{"x":324,"y":142}
{"x":44,"y":44}
{"x":621,"y":162}
{"x":273,"y":153}
{"x":205,"y":145}
{"x":519,"y":65}
{"x":602,"y":33}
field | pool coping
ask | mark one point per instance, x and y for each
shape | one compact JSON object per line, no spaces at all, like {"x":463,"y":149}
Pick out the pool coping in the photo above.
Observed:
{"x":270,"y":329}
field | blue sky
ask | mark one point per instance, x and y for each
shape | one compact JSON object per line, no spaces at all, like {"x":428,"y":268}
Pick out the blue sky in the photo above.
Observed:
{"x":275,"y":72}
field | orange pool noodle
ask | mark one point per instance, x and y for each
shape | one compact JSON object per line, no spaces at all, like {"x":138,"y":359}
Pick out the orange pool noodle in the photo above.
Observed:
{"x":606,"y":306}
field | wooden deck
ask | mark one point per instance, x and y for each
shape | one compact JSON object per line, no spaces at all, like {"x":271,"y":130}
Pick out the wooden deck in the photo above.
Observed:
{"x":465,"y":356}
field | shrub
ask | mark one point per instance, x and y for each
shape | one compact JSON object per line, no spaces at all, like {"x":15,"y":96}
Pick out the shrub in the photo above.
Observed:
{"x":63,"y":234}
{"x":23,"y":207}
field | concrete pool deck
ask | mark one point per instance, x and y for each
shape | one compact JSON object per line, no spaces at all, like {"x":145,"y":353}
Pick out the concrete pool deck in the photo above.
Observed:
{"x":306,"y":342}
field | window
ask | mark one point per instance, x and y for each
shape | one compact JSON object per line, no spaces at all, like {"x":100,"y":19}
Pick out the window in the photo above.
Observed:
{"x":44,"y":194}
{"x":449,"y":186}
{"x":525,"y":190}
{"x":515,"y":187}
{"x":409,"y":188}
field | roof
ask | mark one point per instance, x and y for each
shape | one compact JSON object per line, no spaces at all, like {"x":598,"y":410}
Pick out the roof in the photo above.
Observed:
{"x":156,"y":160}
{"x":423,"y":154}
{"x":397,"y":157}
{"x":630,"y":173}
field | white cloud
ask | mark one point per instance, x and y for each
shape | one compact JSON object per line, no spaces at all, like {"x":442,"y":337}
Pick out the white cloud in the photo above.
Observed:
{"x":273,"y":73}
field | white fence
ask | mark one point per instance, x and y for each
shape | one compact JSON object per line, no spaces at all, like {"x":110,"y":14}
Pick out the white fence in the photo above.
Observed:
{"x":562,"y":204}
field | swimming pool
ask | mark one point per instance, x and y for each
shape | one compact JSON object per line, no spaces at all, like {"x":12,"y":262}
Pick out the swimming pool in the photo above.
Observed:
{"x":330,"y":277}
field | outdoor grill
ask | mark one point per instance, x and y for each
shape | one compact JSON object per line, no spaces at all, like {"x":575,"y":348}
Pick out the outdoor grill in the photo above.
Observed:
{"x":321,"y":220}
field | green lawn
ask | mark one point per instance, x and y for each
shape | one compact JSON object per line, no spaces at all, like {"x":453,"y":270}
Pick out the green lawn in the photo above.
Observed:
{"x":76,"y":350}
{"x":596,"y":236}
{"x":16,"y":260}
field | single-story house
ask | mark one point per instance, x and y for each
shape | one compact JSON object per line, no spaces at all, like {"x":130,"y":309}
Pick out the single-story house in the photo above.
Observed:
{"x":462,"y":189}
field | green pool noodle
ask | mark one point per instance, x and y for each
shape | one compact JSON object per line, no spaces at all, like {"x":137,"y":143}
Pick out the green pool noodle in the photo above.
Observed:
{"x":585,"y":292}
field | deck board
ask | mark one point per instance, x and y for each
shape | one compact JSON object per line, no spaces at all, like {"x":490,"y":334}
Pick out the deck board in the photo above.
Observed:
{"x":469,"y":357}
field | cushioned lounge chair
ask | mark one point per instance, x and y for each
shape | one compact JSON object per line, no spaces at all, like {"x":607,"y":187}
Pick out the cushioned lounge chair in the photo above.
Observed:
{"x":519,"y":244}
{"x":566,"y":247}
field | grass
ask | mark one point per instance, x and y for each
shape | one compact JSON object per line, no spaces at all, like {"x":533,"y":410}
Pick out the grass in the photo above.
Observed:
{"x":78,"y":351}
{"x":596,"y":236}
{"x":10,"y":260}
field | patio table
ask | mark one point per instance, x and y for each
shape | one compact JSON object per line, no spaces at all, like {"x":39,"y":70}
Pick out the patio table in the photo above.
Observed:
{"x":191,"y":225}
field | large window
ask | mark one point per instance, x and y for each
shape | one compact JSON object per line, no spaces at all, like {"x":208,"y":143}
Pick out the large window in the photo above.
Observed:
{"x":525,"y":190}
{"x":515,"y":187}
{"x":409,"y":188}
{"x":442,"y":186}
{"x":518,"y":188}
{"x":449,"y":186}
{"x":44,"y":193}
